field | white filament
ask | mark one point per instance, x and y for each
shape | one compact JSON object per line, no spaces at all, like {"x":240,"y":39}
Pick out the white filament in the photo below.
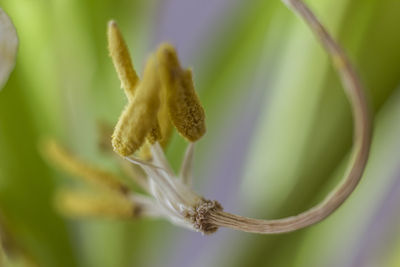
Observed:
{"x":172,"y":198}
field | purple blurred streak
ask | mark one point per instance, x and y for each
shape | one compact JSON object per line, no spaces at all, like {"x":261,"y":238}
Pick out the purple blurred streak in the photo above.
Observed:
{"x":230,"y":148}
{"x":382,"y":229}
{"x":225,"y":182}
{"x":187,"y":23}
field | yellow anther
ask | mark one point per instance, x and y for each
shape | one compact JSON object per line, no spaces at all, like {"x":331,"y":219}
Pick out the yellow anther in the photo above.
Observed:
{"x":162,"y":131}
{"x":144,"y":152}
{"x":164,"y":120}
{"x":154,"y":134}
{"x":122,"y":61}
{"x":80,"y":204}
{"x":79,"y":168}
{"x":140,"y":115}
{"x":184,"y":106}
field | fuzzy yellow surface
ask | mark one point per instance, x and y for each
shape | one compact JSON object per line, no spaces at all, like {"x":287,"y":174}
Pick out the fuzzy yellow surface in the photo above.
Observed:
{"x":80,"y":204}
{"x":184,"y":106}
{"x":122,"y":60}
{"x":164,"y":121}
{"x":139,"y":116}
{"x":77,"y":167}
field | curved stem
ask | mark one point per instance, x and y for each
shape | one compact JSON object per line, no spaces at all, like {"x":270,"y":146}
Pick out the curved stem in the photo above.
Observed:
{"x":361,"y":143}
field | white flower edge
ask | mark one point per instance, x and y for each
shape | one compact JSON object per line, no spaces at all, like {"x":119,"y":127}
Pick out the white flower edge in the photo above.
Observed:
{"x":8,"y":47}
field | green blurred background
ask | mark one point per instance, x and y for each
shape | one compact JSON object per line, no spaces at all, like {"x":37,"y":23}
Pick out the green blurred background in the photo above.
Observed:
{"x":279,"y":128}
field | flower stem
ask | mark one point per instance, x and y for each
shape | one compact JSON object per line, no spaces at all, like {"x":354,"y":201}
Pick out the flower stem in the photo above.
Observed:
{"x":361,"y":143}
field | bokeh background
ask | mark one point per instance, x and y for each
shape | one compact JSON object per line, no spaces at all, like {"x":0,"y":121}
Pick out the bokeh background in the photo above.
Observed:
{"x":279,"y":129}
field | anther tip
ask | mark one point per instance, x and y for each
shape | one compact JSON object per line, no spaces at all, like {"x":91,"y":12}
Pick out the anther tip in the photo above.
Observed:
{"x":166,"y":47}
{"x":112,"y":23}
{"x":121,"y":147}
{"x":166,"y":54}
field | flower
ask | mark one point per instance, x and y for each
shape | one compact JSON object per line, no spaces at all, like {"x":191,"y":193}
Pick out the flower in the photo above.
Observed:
{"x":164,"y":97}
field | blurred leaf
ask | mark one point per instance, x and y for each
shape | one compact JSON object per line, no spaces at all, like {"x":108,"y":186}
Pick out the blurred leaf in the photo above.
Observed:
{"x":306,"y":131}
{"x":62,"y":56}
{"x":26,"y":185}
{"x":360,"y":224}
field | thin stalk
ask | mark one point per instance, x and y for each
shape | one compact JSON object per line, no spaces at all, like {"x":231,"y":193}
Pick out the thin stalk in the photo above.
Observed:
{"x":361,"y":143}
